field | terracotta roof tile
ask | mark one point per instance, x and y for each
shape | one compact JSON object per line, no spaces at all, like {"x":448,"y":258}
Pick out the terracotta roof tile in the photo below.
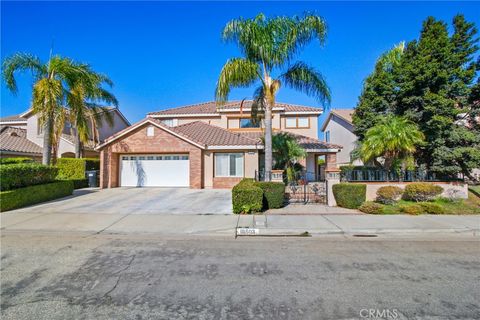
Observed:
{"x":15,"y":140}
{"x":211,"y":108}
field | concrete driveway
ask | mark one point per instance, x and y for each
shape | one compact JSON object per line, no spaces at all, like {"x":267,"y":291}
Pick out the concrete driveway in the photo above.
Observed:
{"x":140,"y":201}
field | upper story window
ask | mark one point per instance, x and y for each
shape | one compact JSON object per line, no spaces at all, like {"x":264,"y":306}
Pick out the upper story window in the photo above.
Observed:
{"x":150,"y":131}
{"x":327,"y":136}
{"x":248,"y":123}
{"x":297,"y":122}
{"x":170,"y":122}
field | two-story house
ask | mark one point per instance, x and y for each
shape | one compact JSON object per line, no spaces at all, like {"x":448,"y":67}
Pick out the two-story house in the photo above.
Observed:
{"x":22,"y":136}
{"x":205,"y":146}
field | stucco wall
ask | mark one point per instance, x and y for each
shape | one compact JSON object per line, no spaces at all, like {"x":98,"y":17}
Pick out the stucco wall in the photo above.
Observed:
{"x":341,"y":133}
{"x":106,"y":131}
{"x":311,"y":132}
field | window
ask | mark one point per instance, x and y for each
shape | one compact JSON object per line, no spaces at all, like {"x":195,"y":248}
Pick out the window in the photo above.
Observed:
{"x":167,"y":158}
{"x":228,"y":164}
{"x":297,"y":122}
{"x":327,"y":136}
{"x":150,"y":131}
{"x":184,"y":158}
{"x":170,"y":122}
{"x":124,"y":158}
{"x":133,"y":158}
{"x":159,"y":157}
{"x":176,"y":157}
{"x":150,"y":158}
{"x":249,"y":123}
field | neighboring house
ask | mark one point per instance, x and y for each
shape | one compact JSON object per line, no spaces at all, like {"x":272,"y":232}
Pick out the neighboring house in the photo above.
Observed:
{"x":338,"y":129}
{"x":202,"y":146}
{"x":21,"y":135}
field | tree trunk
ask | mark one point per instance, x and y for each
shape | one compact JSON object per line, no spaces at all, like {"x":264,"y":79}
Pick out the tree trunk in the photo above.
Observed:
{"x":78,"y":145}
{"x":268,"y":143}
{"x":47,"y":141}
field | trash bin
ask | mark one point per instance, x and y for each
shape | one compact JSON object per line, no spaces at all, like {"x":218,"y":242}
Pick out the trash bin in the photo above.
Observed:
{"x":92,"y":177}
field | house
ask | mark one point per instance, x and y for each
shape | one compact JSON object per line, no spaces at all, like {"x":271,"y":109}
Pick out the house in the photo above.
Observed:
{"x":22,"y":136}
{"x":205,"y":146}
{"x":338,"y":129}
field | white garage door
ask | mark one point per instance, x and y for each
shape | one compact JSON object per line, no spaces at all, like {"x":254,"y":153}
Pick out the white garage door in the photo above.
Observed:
{"x":157,"y":170}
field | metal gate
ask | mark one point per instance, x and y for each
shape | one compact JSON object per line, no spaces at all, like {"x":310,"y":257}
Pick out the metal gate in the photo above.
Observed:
{"x":311,"y":192}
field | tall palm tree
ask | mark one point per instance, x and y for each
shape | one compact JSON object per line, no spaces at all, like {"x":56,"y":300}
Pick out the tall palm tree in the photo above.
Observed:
{"x":85,"y":112}
{"x":395,"y":139}
{"x":269,"y":46}
{"x":52,"y":80}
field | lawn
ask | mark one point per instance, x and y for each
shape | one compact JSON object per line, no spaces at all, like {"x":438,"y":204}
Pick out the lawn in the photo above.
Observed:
{"x":475,"y":188}
{"x":461,"y":206}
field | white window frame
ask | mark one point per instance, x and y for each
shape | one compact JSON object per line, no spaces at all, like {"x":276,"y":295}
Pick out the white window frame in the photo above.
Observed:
{"x":228,"y":170}
{"x":170,"y":122}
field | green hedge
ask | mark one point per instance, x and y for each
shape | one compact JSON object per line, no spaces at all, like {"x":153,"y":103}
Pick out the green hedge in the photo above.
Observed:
{"x":79,"y":183}
{"x":349,"y":195}
{"x":15,"y":160}
{"x":421,"y":191}
{"x":273,"y":194}
{"x":246,"y":197}
{"x":20,"y":175}
{"x":18,"y":198}
{"x":71,"y":168}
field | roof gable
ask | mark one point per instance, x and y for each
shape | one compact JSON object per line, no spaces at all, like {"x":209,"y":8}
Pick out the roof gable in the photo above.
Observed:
{"x":344,"y":114}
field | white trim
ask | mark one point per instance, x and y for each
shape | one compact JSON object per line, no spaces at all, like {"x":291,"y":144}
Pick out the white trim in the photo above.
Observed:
{"x":135,"y":126}
{"x":302,"y":112}
{"x":322,"y":150}
{"x":122,"y":116}
{"x":13,"y":122}
{"x":241,"y":147}
{"x":194,"y":115}
{"x":245,"y":109}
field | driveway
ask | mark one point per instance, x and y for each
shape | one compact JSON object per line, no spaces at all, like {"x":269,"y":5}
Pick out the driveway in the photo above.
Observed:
{"x":140,"y":201}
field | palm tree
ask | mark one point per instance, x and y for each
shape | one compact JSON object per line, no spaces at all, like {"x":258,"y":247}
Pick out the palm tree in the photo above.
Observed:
{"x":52,"y":80}
{"x":286,"y":152}
{"x":85,"y":112}
{"x":269,"y":46}
{"x":395,"y":139}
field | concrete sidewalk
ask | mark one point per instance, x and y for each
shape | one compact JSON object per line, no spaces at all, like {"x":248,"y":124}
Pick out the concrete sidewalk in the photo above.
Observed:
{"x":227,"y":224}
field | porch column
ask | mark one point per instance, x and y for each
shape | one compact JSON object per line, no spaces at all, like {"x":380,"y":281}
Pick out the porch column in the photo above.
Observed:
{"x":332,"y":176}
{"x":330,"y":161}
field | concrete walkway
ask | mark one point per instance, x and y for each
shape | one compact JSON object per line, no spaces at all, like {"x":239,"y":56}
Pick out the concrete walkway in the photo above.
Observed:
{"x":227,"y":224}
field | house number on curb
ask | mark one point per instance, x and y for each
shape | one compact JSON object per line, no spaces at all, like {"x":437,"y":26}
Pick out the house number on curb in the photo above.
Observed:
{"x":247,"y":231}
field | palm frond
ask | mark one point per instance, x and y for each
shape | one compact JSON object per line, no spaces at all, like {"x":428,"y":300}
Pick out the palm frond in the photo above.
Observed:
{"x":237,"y":72}
{"x":307,"y":80}
{"x":21,"y":62}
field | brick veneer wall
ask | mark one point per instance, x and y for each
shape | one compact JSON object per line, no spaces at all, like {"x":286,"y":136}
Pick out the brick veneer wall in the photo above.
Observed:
{"x":225,"y":182}
{"x":137,"y":142}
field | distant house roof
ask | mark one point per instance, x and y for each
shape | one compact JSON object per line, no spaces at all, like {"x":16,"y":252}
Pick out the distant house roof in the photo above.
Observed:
{"x":14,"y":140}
{"x":11,"y":119}
{"x":345,"y":114}
{"x":212,"y":109}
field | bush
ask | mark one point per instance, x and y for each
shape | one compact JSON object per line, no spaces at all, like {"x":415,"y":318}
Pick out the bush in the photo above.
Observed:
{"x":20,"y":175}
{"x":389,"y":194}
{"x":413,"y":209}
{"x":371,"y":207}
{"x":14,"y":160}
{"x":273,"y":194}
{"x":79,"y":183}
{"x":432,"y":208}
{"x":349,"y":195}
{"x":71,"y":168}
{"x":246,"y":197}
{"x":421,"y":191}
{"x":18,"y":198}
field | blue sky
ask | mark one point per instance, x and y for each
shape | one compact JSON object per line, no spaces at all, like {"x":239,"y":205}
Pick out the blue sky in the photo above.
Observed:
{"x":162,"y":54}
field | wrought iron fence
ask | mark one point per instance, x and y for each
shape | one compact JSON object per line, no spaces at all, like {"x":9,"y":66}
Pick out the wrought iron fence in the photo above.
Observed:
{"x":299,"y":177}
{"x":378,"y":175}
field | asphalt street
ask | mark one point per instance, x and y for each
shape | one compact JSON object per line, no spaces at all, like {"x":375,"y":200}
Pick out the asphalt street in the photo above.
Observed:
{"x":84,"y":276}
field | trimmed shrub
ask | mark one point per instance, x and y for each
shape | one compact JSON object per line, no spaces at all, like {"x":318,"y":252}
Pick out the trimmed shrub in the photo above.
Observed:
{"x":20,"y":175}
{"x":421,"y":191}
{"x":413,"y":209}
{"x":432,"y":208}
{"x":389,"y":194}
{"x":79,"y":183}
{"x":371,"y":207}
{"x":18,"y":198}
{"x":349,"y":195}
{"x":72,"y":168}
{"x":246,"y":197}
{"x":14,"y":160}
{"x":273,"y":194}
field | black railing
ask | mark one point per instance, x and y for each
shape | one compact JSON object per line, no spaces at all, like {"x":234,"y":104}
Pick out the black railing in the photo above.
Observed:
{"x":298,"y":177}
{"x":378,"y":175}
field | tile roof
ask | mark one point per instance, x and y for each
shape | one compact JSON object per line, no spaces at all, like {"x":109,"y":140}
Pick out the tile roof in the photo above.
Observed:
{"x":14,"y":118}
{"x":15,"y":140}
{"x":211,"y":108}
{"x":306,"y":143}
{"x":209,"y":135}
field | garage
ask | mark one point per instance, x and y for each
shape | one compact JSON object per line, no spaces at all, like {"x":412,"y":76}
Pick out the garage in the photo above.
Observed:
{"x":155,"y":170}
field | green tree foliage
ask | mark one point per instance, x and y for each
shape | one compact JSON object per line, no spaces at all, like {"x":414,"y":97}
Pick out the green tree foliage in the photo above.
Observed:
{"x":286,"y":150}
{"x":269,"y":46}
{"x":432,"y":85}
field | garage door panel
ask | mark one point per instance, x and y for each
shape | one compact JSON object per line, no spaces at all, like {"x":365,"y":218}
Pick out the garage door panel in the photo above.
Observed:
{"x":156,"y":172}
